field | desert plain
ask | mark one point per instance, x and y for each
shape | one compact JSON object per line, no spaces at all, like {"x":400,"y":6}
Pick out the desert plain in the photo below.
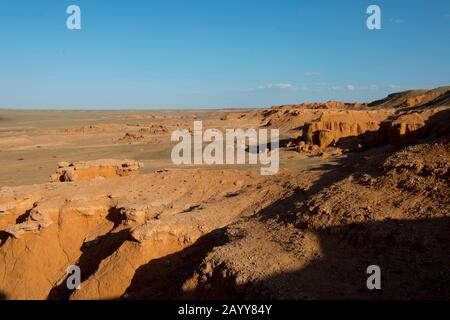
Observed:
{"x":359,"y":184}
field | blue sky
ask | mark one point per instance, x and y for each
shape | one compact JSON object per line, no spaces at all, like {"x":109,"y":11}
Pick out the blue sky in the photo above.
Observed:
{"x":211,"y":53}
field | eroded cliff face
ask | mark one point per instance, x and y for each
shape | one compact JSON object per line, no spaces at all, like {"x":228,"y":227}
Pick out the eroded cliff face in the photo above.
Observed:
{"x":359,"y":130}
{"x":385,"y":209}
{"x":413,"y":118}
{"x":332,"y":127}
{"x":399,"y":119}
{"x":203,"y":233}
{"x":111,"y":227}
{"x":411,"y":126}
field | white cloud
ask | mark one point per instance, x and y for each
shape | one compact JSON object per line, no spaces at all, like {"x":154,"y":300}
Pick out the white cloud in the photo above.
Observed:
{"x":322,"y":86}
{"x":280,"y":86}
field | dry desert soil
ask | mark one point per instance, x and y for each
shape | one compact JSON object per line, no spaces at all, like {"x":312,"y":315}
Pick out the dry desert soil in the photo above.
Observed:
{"x":359,"y":184}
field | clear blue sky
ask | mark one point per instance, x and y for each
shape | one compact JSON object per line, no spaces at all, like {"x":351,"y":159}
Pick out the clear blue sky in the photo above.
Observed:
{"x":211,"y":53}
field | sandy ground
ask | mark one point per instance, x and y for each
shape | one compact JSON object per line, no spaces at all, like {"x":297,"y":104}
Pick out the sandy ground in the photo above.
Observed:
{"x":32,"y":143}
{"x":359,"y":185}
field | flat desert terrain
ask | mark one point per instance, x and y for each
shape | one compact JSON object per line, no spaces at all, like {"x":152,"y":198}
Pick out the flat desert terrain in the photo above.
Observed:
{"x":358,"y":185}
{"x":33,"y":142}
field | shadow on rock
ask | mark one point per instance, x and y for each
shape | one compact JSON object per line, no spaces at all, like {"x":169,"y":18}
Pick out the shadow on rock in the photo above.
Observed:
{"x":163,"y":278}
{"x":413,"y":255}
{"x":94,"y":252}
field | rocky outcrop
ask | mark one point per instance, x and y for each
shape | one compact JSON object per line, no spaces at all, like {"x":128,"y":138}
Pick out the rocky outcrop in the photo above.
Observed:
{"x":107,"y":168}
{"x":357,"y":130}
{"x":156,"y":129}
{"x":411,"y":126}
{"x":112,"y":229}
{"x":324,"y":105}
{"x":392,"y":211}
{"x":35,"y":221}
{"x":347,"y":129}
{"x":131,"y":137}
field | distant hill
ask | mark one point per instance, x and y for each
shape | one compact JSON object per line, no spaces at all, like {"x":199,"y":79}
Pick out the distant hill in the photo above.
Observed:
{"x":414,"y":98}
